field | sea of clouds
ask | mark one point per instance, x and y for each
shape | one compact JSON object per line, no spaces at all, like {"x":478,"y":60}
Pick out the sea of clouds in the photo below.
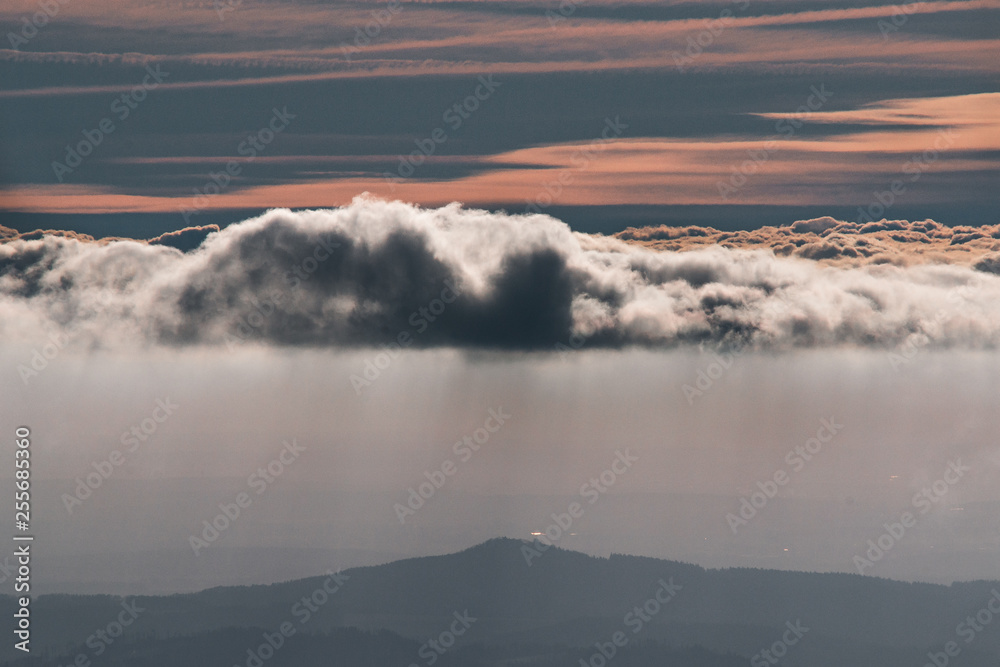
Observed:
{"x":452,"y":277}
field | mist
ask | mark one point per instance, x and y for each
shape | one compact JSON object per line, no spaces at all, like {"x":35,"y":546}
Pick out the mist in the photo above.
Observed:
{"x":703,"y":428}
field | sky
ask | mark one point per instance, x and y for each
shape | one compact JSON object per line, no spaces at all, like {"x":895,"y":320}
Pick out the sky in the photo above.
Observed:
{"x":708,"y":106}
{"x":413,"y":275}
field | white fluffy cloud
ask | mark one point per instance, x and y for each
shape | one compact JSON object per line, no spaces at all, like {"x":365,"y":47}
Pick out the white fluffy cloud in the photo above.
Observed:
{"x":360,"y":275}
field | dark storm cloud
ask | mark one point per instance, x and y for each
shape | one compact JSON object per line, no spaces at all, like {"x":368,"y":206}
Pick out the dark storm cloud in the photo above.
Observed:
{"x":367,"y":273}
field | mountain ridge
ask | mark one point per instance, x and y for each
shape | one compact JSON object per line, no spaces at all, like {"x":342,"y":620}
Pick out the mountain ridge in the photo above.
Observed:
{"x":562,"y":598}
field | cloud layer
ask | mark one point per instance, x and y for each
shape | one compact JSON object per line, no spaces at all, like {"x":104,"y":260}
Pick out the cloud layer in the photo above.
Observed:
{"x":380,"y":272}
{"x":848,"y":243}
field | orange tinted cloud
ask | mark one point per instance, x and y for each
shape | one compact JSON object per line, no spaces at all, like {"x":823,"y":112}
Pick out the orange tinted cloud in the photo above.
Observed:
{"x":784,"y":168}
{"x":832,"y":241}
{"x":442,"y":40}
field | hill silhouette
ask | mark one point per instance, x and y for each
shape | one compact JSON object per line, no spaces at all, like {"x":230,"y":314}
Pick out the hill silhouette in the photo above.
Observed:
{"x":552,"y":612}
